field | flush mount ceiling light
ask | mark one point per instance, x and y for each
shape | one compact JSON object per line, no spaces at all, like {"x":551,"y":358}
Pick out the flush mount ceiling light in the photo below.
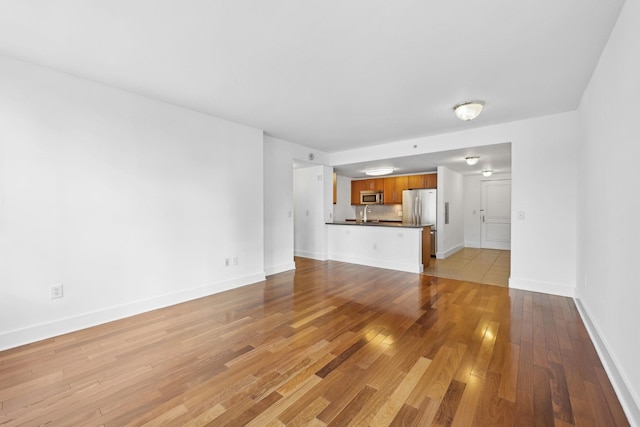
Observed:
{"x":472,"y":160}
{"x":487,"y":172}
{"x":378,"y":171}
{"x":468,"y":110}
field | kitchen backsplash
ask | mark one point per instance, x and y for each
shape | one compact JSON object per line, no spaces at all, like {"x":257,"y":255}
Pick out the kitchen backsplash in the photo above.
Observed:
{"x":386,"y":212}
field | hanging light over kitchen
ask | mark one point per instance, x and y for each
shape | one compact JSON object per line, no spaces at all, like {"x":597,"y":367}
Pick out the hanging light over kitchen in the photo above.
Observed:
{"x":468,"y":110}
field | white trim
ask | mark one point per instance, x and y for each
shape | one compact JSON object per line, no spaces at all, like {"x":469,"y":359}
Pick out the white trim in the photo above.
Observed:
{"x":617,"y":376}
{"x":269,"y":271}
{"x":543,"y":287}
{"x":43,"y":331}
{"x":472,"y":244}
{"x":453,"y":250}
{"x":312,"y":255}
{"x":379,"y":263}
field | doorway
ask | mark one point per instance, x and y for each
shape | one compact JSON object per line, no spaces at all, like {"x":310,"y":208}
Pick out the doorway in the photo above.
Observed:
{"x":496,"y":215}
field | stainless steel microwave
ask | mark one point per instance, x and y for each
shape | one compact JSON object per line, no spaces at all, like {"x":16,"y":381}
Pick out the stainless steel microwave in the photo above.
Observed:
{"x":371,"y":197}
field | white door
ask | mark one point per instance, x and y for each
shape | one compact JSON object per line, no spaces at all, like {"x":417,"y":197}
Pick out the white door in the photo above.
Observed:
{"x":496,"y":214}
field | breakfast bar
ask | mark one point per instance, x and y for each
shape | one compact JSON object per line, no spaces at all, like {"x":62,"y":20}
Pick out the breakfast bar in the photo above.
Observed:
{"x":392,"y":245}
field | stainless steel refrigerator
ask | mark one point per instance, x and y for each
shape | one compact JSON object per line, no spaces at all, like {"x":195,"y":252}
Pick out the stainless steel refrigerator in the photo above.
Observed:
{"x":420,"y":207}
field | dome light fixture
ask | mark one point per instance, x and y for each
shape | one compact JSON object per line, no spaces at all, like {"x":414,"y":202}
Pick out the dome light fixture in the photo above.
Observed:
{"x":378,"y":171}
{"x":472,"y":160}
{"x":468,"y":110}
{"x":487,"y":172}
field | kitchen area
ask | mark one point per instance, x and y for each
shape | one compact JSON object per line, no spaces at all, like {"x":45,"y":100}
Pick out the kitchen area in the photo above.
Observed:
{"x":330,"y":203}
{"x":391,"y":222}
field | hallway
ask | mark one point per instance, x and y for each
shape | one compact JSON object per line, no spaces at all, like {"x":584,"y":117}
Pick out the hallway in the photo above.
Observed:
{"x":488,"y":266}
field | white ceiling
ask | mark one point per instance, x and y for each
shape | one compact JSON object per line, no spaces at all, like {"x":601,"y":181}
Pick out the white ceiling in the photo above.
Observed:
{"x":329,"y":74}
{"x":496,"y":157}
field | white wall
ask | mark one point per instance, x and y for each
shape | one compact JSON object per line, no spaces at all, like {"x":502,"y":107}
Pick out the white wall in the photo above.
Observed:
{"x":130,"y":203}
{"x":609,"y":207}
{"x":313,"y":207}
{"x":450,"y":190}
{"x":472,"y":206}
{"x":278,"y":206}
{"x":343,"y":210}
{"x":544,"y":182}
{"x":279,"y":200}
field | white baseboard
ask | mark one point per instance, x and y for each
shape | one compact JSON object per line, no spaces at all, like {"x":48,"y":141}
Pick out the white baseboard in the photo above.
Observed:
{"x":379,"y":263}
{"x":453,"y":250}
{"x":617,"y":377}
{"x":312,"y":255}
{"x":543,"y":287}
{"x":269,"y":271}
{"x":47,"y":330}
{"x":472,"y":245}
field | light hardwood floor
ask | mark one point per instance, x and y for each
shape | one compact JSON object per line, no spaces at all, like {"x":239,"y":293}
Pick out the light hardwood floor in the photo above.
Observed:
{"x":489,"y":266}
{"x":329,"y":344}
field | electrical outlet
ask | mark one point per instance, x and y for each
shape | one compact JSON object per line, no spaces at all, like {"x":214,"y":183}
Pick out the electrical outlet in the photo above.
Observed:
{"x":399,"y":213}
{"x":56,"y":291}
{"x":235,"y":260}
{"x":227,"y":262}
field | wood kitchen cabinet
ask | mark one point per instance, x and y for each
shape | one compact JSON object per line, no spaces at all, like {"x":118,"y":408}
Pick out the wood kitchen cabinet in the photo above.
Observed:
{"x":429,"y":180}
{"x":393,"y":188}
{"x":426,"y":247}
{"x":376,"y":184}
{"x":359,"y":185}
{"x":335,"y":188}
{"x":356,"y":187}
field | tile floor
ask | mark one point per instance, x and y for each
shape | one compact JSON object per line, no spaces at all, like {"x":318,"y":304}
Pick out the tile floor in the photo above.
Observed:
{"x":489,"y":266}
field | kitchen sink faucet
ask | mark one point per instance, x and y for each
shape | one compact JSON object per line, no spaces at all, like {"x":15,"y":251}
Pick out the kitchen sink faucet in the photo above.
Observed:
{"x":366,"y":208}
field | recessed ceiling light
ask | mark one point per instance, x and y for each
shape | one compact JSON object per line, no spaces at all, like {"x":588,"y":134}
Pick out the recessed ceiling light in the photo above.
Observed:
{"x":378,"y":171}
{"x":468,"y":110}
{"x":472,"y":160}
{"x":487,"y":172}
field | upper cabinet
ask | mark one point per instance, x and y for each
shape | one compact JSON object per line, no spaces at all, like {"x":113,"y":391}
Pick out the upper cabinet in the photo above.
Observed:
{"x":374,"y":184}
{"x":356,"y":187}
{"x":393,"y":188}
{"x":428,"y":180}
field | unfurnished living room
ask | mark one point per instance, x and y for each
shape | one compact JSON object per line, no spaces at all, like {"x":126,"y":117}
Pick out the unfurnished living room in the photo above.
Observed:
{"x":279,"y":213}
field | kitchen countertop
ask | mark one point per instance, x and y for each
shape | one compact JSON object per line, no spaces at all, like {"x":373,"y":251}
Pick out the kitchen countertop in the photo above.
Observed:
{"x":379,"y":224}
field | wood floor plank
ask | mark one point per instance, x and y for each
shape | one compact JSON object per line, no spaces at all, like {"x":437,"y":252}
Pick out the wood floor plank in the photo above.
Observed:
{"x":449,"y":404}
{"x":327,"y":344}
{"x":542,"y":405}
{"x":390,"y":409}
{"x":468,"y":402}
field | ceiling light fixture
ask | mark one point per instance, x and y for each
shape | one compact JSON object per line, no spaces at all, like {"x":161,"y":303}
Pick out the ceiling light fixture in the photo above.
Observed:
{"x":487,"y":172}
{"x":472,"y":160}
{"x":378,"y":171}
{"x":468,"y":110}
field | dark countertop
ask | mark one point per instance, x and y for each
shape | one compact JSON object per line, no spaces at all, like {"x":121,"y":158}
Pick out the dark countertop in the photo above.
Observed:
{"x":379,"y":224}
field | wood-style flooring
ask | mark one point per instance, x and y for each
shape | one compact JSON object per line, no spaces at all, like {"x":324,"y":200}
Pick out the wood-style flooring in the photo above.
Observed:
{"x":329,"y":344}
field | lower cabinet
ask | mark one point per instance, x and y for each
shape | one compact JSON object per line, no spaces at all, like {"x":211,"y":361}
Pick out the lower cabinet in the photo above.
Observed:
{"x":426,"y":247}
